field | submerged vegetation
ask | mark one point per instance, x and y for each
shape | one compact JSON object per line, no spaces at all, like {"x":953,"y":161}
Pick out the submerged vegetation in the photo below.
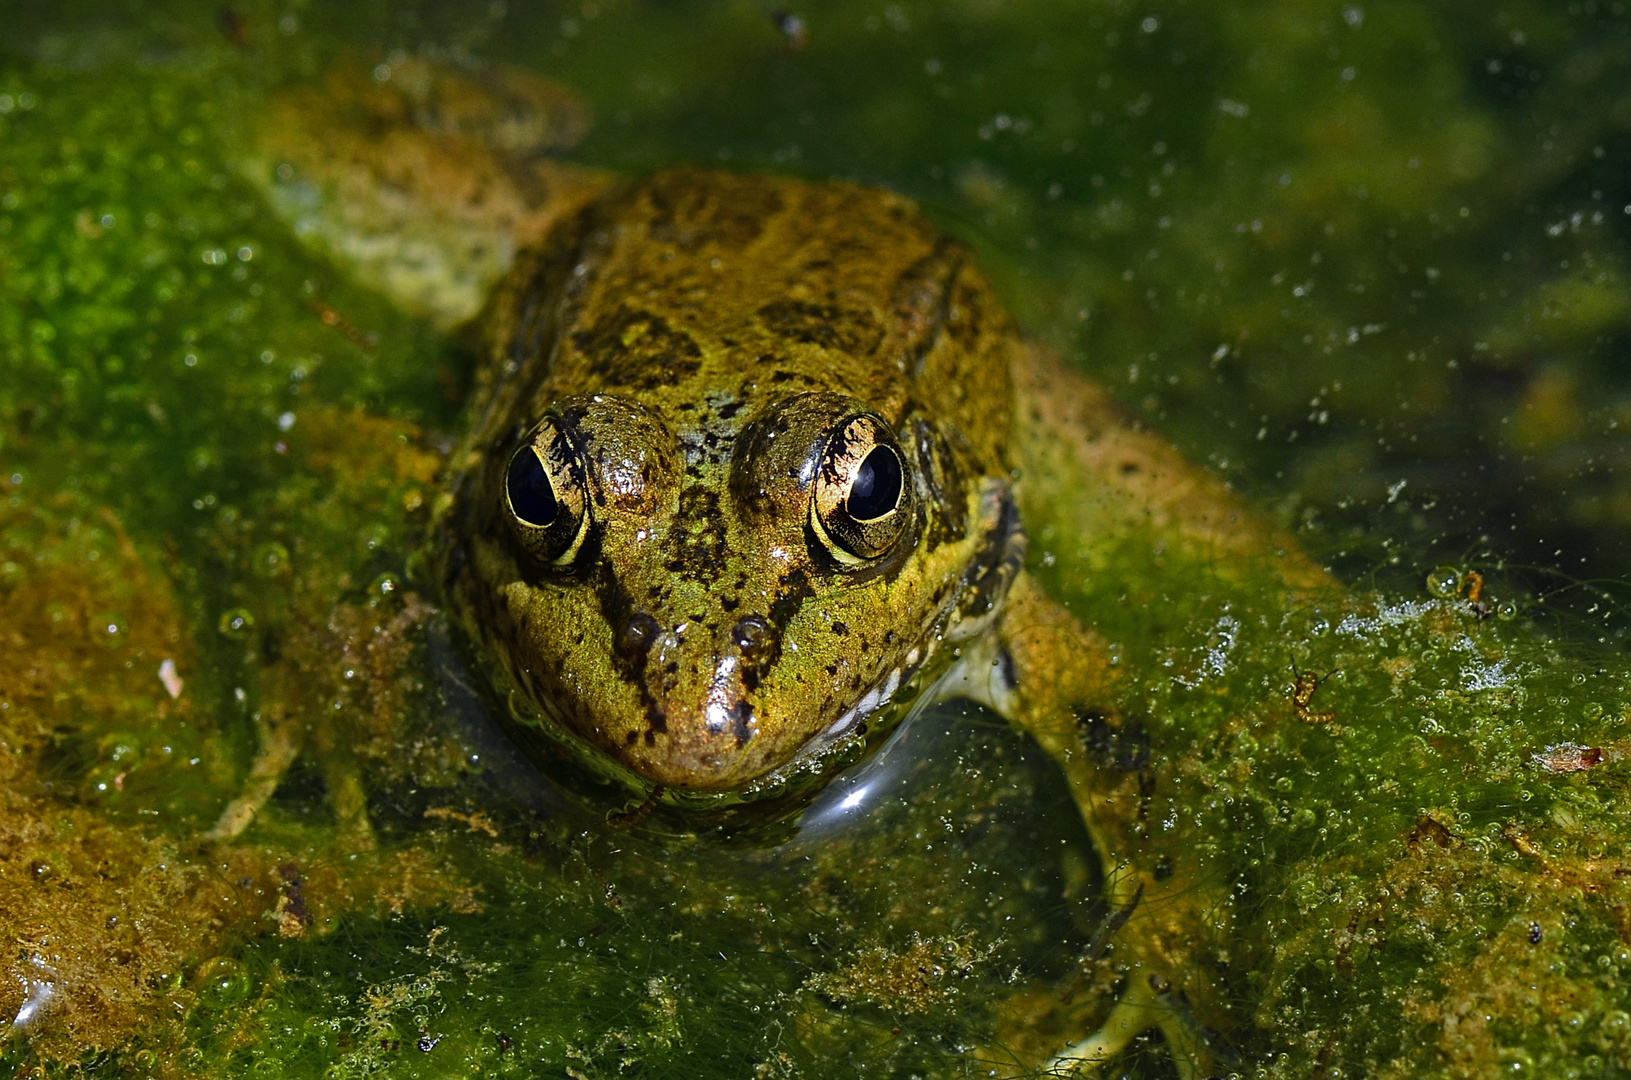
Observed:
{"x":1365,"y":259}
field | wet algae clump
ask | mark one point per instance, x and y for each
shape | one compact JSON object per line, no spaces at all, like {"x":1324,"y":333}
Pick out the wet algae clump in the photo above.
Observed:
{"x":217,"y":450}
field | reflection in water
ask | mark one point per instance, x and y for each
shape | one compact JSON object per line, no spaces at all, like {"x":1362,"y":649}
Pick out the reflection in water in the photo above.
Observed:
{"x":912,"y":756}
{"x":39,"y":994}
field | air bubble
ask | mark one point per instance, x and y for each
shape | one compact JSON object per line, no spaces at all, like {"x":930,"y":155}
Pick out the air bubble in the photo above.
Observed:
{"x":1444,"y":582}
{"x":236,"y":623}
{"x":111,"y":629}
{"x":384,"y":586}
{"x":270,"y":560}
{"x":225,"y":981}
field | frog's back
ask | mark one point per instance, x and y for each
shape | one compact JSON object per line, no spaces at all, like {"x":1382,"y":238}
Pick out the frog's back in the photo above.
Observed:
{"x":698,"y":285}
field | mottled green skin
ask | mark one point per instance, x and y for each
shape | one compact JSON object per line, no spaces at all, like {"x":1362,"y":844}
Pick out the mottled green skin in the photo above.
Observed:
{"x":700,"y":336}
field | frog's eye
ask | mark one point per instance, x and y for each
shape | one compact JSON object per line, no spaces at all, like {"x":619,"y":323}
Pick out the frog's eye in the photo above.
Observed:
{"x":862,"y":499}
{"x":544,"y":495}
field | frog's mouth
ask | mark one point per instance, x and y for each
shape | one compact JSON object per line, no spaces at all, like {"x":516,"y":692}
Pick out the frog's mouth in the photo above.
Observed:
{"x":902,"y":692}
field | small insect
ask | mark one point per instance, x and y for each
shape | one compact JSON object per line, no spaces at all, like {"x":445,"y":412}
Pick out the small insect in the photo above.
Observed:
{"x":1474,"y":581}
{"x":1302,"y":692}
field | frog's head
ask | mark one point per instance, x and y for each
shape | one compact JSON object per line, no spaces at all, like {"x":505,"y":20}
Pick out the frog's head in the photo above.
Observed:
{"x":710,"y":591}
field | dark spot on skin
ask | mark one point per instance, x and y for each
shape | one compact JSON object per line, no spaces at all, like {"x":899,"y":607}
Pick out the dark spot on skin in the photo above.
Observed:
{"x":1128,"y":468}
{"x":730,"y":603}
{"x":840,"y":629}
{"x":728,"y":410}
{"x":742,"y":722}
{"x":922,"y":299}
{"x":1116,"y":744}
{"x":965,"y":316}
{"x":632,"y":737}
{"x":634,"y":639}
{"x":795,"y":589}
{"x":698,"y":535}
{"x":294,"y":899}
{"x":994,"y":566}
{"x":656,"y":719}
{"x":690,"y":209}
{"x":853,"y":330}
{"x":638,"y":350}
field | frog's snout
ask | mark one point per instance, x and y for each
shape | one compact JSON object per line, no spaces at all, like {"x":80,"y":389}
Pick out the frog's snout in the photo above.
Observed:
{"x":702,"y":726}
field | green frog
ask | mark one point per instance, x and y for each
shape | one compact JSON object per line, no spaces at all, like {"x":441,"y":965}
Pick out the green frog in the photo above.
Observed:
{"x":748,"y":471}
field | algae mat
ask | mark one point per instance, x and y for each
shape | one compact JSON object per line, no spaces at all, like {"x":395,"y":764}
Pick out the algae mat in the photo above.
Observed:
{"x":1365,"y":260}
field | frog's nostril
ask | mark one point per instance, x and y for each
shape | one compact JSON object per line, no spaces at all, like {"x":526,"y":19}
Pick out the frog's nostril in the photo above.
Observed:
{"x":634,"y":640}
{"x":751,"y":634}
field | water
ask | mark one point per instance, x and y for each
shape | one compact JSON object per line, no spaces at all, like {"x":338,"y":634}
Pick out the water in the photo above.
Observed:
{"x":1366,"y":261}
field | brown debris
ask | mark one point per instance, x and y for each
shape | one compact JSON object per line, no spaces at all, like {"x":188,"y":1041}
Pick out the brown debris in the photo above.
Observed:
{"x":476,"y":822}
{"x":923,"y":975}
{"x":1429,"y":828}
{"x":1571,"y":757}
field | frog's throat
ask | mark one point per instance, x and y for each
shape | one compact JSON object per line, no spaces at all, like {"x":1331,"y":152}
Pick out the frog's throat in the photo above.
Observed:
{"x":974,"y":606}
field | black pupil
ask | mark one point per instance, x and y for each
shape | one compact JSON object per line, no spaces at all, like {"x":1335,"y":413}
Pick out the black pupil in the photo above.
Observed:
{"x":876,"y":489}
{"x":531,"y":495}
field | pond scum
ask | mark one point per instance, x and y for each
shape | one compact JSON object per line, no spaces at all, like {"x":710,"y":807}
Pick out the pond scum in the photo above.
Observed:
{"x":215,"y":453}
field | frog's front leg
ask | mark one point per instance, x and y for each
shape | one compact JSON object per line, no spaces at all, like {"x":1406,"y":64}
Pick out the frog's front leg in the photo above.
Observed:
{"x":1051,"y":676}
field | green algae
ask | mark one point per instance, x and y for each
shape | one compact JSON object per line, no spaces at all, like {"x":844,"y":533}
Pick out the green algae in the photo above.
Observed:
{"x":1433,"y":882}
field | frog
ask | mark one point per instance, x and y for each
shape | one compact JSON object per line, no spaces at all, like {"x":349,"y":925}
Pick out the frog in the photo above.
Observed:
{"x":746,"y":481}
